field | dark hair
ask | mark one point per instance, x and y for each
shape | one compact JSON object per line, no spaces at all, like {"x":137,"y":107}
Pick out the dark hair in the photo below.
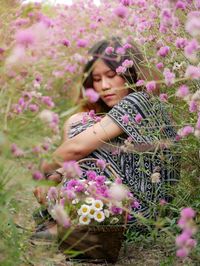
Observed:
{"x":113,"y":60}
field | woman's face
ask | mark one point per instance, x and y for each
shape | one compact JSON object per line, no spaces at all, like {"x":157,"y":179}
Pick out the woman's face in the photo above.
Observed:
{"x":108,"y":84}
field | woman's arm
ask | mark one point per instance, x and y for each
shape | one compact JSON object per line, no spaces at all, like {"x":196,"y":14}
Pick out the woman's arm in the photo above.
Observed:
{"x":84,"y":143}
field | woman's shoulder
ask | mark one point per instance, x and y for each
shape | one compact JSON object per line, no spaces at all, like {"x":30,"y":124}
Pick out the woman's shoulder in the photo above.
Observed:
{"x":76,"y":118}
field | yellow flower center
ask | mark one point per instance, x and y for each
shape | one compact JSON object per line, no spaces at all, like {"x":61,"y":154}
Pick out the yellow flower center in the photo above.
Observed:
{"x":84,"y":209}
{"x":99,"y":215}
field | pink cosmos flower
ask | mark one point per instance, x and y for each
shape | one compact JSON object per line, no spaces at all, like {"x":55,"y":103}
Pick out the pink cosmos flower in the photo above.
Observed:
{"x":192,"y":72}
{"x":163,"y":51}
{"x":125,"y":119}
{"x":182,"y":91}
{"x":25,"y":37}
{"x":92,"y":95}
{"x":138,"y":118}
{"x":121,"y":11}
{"x":151,"y":86}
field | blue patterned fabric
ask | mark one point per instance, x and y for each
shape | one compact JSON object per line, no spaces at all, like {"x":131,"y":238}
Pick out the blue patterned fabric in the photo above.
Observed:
{"x":135,"y":167}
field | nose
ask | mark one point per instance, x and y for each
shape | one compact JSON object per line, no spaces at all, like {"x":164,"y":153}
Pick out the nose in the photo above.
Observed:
{"x":105,"y":84}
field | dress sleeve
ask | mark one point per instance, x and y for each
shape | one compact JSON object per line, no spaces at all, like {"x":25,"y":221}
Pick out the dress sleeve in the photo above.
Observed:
{"x":143,"y":118}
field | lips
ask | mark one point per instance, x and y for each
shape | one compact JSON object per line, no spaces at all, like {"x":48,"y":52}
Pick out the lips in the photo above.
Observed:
{"x":108,"y":96}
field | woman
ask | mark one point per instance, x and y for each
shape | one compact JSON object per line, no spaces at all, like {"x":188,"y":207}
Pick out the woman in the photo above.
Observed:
{"x":134,"y":136}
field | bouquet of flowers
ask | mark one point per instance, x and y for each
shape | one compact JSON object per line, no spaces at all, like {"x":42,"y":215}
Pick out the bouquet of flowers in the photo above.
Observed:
{"x":91,"y":201}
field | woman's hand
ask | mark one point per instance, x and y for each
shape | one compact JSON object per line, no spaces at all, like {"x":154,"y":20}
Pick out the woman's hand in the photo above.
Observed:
{"x":48,"y":168}
{"x":40,"y":193}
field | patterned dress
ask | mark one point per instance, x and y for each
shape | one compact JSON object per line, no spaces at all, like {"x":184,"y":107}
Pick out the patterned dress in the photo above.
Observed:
{"x":134,"y":155}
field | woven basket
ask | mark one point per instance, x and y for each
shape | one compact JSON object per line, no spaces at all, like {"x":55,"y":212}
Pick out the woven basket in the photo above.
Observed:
{"x":101,"y":242}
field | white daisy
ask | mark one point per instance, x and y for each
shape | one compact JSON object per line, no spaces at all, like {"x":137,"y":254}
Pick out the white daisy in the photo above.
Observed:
{"x":84,"y":219}
{"x":84,"y":210}
{"x":98,"y":205}
{"x":99,"y":216}
{"x":92,"y":212}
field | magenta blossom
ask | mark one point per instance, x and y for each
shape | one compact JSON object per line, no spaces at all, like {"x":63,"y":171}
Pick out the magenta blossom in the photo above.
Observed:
{"x":163,"y":51}
{"x":183,"y":91}
{"x":37,"y":175}
{"x":25,"y":37}
{"x":169,"y":77}
{"x":125,"y":119}
{"x":82,"y":43}
{"x":138,"y":118}
{"x":151,"y":86}
{"x":72,"y":169}
{"x":101,"y":164}
{"x":121,"y":11}
{"x":188,"y":213}
{"x":109,"y":50}
{"x":192,"y":72}
{"x":92,"y":95}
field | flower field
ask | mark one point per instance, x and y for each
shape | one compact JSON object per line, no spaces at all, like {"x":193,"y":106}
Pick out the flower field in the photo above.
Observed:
{"x":43,"y":49}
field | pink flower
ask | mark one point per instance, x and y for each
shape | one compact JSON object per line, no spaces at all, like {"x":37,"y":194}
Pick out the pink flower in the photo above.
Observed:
{"x":198,"y":123}
{"x":191,"y":243}
{"x":92,"y":95}
{"x":182,"y":253}
{"x":25,"y":37}
{"x":192,"y":72}
{"x":127,"y":63}
{"x":188,"y":213}
{"x":160,"y":65}
{"x":72,"y":169}
{"x":125,"y":119}
{"x":151,"y":86}
{"x":52,"y":193}
{"x":82,"y":43}
{"x":193,"y":23}
{"x":48,"y":101}
{"x":181,"y":42}
{"x":91,"y":175}
{"x":193,"y":107}
{"x":118,"y":192}
{"x":191,"y":48}
{"x":163,"y":51}
{"x":140,"y":82}
{"x":120,"y":50}
{"x":61,"y":216}
{"x":101,"y":164}
{"x":182,"y":91}
{"x":185,"y":131}
{"x":33,"y":107}
{"x":109,"y":50}
{"x":121,"y":11}
{"x":120,"y":70}
{"x":182,"y":239}
{"x":169,"y":77}
{"x":37,"y":175}
{"x":126,"y":2}
{"x":138,"y":118}
{"x":66,"y":42}
{"x":163,"y":97}
{"x":180,"y":5}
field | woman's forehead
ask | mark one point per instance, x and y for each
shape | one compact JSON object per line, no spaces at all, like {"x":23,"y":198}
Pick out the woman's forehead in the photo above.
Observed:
{"x":99,"y":67}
